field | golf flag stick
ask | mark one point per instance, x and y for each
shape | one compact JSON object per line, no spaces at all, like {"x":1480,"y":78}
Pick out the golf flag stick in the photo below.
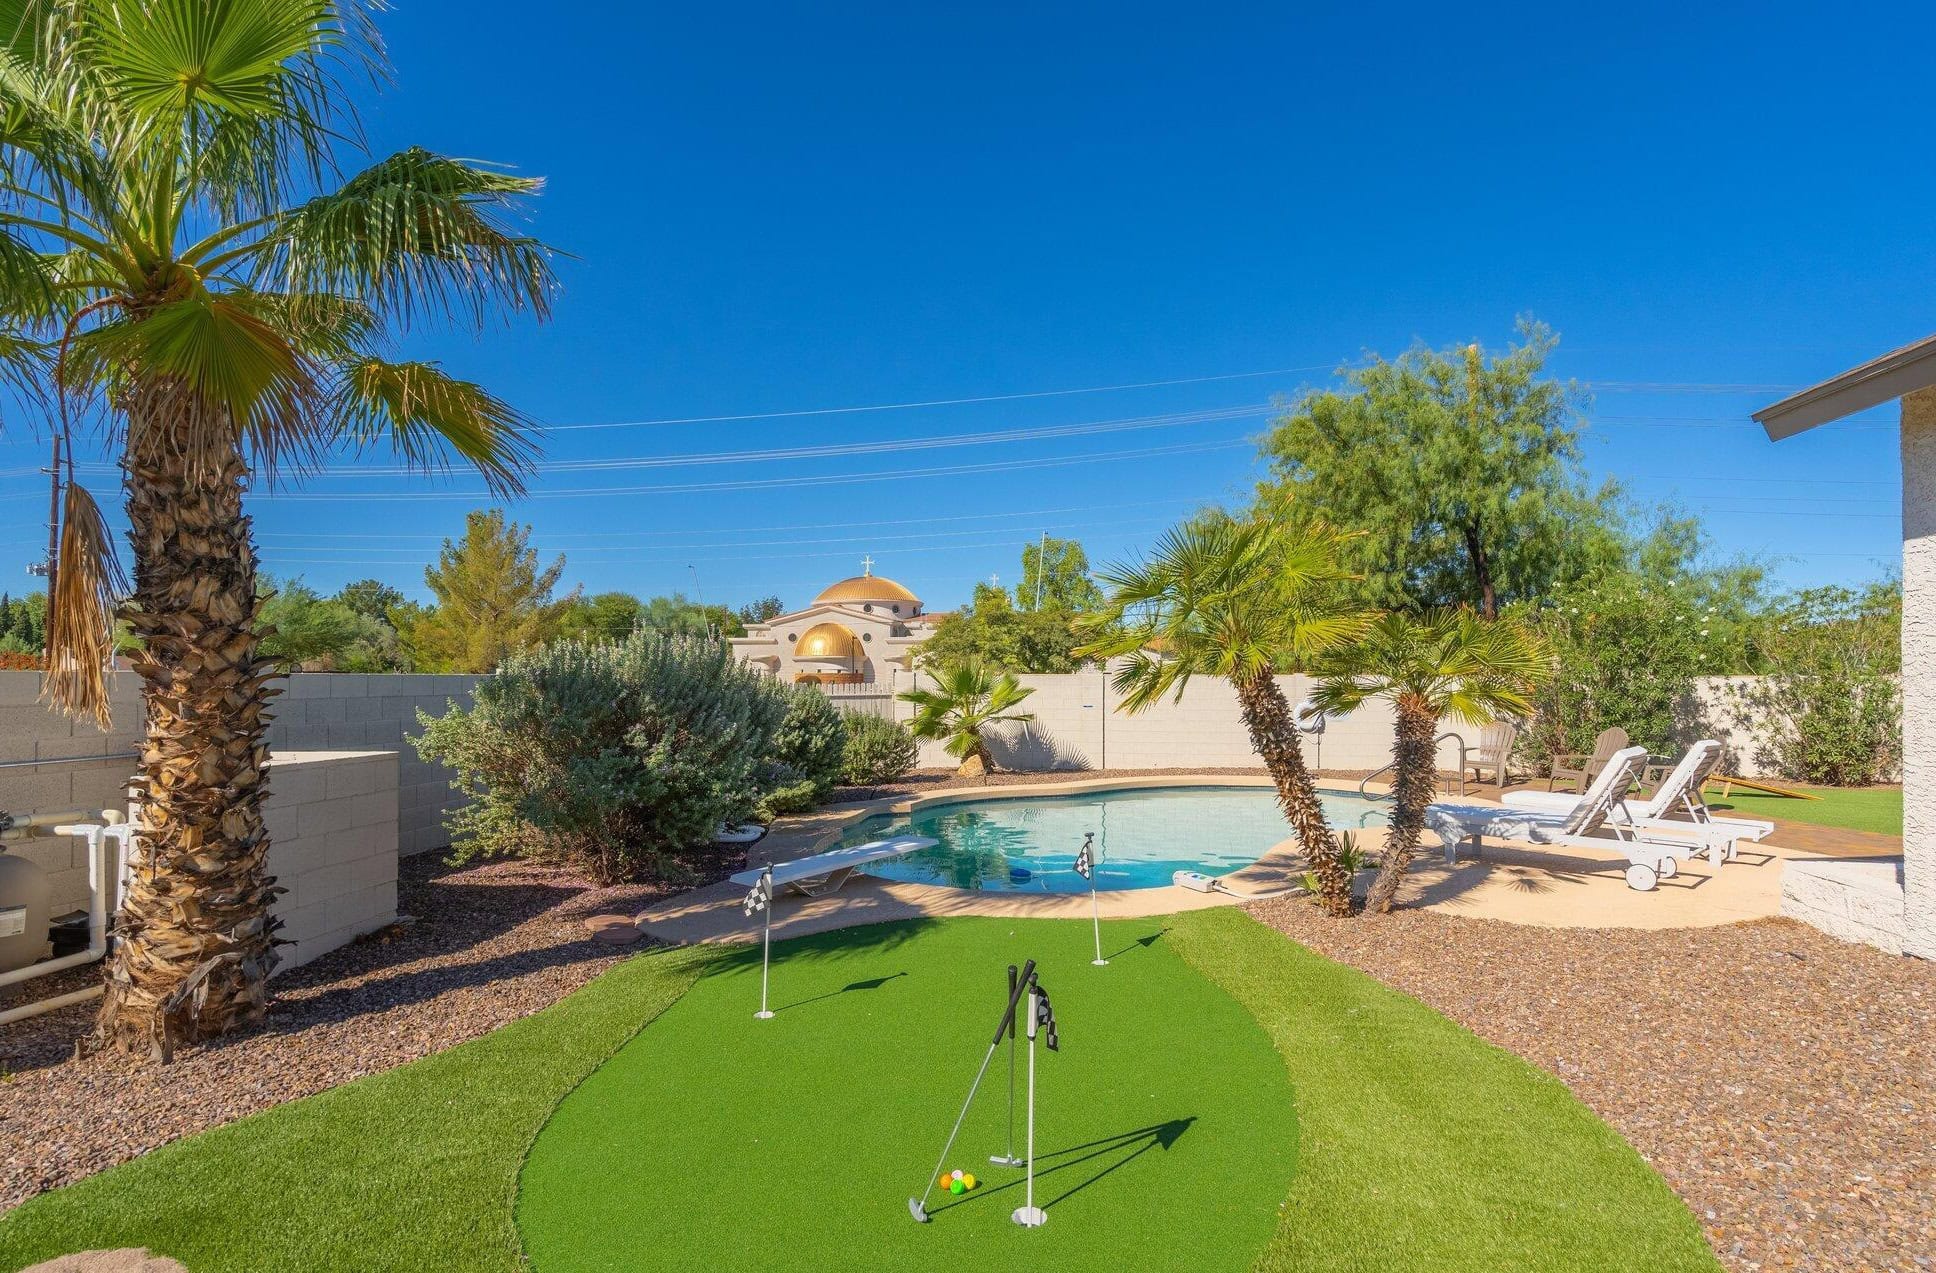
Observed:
{"x":761,"y":900}
{"x":1008,"y":1158}
{"x":1086,"y":868}
{"x":919,"y":1207}
{"x":1028,"y":1215}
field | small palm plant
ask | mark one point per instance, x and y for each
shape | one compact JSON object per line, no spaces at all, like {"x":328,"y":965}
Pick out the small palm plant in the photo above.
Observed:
{"x":1443,"y":663}
{"x":967,"y":698}
{"x":1241,"y":601}
{"x":179,"y":259}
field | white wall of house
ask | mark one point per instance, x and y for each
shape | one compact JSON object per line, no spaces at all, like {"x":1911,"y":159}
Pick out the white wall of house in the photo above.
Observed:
{"x":1919,"y":671}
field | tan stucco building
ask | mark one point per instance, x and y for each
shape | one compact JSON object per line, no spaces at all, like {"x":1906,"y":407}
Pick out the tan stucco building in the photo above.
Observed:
{"x":855,"y":633}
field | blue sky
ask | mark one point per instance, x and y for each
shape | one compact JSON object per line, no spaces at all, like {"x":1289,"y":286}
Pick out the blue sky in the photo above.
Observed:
{"x":782,"y":208}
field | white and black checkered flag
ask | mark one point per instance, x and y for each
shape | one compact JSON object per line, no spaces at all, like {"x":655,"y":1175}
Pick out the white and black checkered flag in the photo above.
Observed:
{"x":1086,"y":860}
{"x":756,"y":901}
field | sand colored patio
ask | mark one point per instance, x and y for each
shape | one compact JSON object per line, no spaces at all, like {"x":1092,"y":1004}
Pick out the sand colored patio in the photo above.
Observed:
{"x":1518,"y":884}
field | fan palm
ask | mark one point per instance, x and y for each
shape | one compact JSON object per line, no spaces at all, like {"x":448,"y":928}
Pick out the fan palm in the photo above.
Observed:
{"x":967,"y":698}
{"x":178,"y":257}
{"x":1242,"y":601}
{"x":1439,"y":664}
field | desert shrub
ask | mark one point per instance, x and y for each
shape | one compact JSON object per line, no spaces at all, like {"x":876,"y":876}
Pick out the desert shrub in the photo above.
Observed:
{"x":1829,"y":710}
{"x":608,"y":757}
{"x":1626,"y":651}
{"x":878,"y":750}
{"x":811,"y":739}
{"x":787,"y":793}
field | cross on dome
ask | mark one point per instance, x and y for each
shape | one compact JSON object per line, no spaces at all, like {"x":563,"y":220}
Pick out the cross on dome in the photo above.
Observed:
{"x":867,"y":565}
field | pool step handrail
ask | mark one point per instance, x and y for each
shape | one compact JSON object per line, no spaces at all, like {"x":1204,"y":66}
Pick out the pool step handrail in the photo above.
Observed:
{"x":1390,"y":765}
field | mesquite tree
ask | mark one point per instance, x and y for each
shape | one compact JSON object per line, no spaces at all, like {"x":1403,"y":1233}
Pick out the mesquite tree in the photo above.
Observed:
{"x":180,"y":262}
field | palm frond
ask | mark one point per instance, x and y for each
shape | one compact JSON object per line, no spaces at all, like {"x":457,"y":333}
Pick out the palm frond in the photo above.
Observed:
{"x":428,"y":417}
{"x":80,"y":614}
{"x":416,"y":232}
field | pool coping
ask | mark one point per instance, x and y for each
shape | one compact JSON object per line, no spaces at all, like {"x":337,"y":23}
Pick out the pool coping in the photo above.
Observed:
{"x":713,"y":914}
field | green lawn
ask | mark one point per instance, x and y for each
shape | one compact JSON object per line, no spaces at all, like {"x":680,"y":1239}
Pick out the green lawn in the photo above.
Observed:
{"x":1224,"y":1099}
{"x":1854,"y":808}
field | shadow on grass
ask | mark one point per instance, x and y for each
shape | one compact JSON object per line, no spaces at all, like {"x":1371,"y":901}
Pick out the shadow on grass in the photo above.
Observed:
{"x":1117,"y":1151}
{"x":1143,"y":942}
{"x":870,"y":983}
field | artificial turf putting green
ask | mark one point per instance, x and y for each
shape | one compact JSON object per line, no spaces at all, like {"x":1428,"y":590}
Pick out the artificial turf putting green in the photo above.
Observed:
{"x":1166,"y":1134}
{"x":1391,"y":1137}
{"x":1877,"y":809}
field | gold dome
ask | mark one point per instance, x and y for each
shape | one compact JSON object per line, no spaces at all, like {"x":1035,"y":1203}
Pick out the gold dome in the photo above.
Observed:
{"x":866,"y":588}
{"x":826,"y":643}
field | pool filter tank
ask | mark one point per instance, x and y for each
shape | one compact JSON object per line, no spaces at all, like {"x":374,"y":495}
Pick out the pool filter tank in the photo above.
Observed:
{"x":25,"y":898}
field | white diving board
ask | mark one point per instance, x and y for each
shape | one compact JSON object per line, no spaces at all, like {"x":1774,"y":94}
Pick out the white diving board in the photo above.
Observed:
{"x":826,"y":872}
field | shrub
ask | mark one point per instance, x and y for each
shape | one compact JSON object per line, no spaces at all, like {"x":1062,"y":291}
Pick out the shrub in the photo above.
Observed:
{"x":787,"y":794}
{"x":878,"y":750}
{"x":812,"y":739}
{"x":608,"y":757}
{"x":1626,"y":652}
{"x":1830,"y":708}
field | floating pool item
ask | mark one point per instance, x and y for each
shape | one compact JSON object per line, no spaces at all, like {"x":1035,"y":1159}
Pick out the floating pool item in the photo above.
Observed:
{"x":1019,"y":874}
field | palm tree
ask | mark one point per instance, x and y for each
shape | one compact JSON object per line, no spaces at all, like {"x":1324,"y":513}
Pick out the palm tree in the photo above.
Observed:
{"x":1443,"y":663}
{"x":967,"y":698}
{"x":1242,"y":601}
{"x":177,"y":258}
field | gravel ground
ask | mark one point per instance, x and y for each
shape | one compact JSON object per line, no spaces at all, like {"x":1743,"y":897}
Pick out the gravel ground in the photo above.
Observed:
{"x":1783,"y":1083}
{"x":491,"y":944}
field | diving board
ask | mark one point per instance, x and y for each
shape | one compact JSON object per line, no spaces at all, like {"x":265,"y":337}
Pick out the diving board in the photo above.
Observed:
{"x":826,"y":872}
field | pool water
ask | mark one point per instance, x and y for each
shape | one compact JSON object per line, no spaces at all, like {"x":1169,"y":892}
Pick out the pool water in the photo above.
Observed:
{"x":1143,"y":837}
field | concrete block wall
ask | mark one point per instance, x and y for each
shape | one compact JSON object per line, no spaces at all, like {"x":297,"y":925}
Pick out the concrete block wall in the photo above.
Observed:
{"x":1079,"y":724}
{"x":1855,"y":901}
{"x":332,"y":819}
{"x":335,"y":711}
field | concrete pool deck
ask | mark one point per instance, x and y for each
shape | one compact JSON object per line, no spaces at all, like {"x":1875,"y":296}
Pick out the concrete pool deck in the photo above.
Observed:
{"x":1547,"y":887}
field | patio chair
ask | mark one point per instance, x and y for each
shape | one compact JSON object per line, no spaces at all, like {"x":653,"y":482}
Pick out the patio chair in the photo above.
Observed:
{"x":1650,"y":859}
{"x":1582,"y":769}
{"x":1676,"y":809}
{"x":1494,"y":752}
{"x":826,"y":872}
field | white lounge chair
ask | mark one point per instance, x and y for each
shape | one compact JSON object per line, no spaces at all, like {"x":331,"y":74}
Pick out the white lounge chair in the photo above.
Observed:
{"x":826,"y":872}
{"x":1676,"y":809}
{"x":1649,"y":858}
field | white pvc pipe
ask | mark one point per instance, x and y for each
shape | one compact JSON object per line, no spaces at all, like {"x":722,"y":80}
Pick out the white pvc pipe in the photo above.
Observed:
{"x":101,"y":840}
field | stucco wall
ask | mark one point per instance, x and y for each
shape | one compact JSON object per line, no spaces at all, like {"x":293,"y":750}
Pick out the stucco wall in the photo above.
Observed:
{"x":1919,"y":671}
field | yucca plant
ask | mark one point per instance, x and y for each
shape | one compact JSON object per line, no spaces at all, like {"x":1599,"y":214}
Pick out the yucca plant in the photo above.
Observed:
{"x":181,"y":262}
{"x":967,"y":698}
{"x":1443,"y":663}
{"x":1241,"y":601}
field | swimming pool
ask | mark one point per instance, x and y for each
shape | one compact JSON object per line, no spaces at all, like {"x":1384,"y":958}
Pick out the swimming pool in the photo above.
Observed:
{"x":1143,"y":836}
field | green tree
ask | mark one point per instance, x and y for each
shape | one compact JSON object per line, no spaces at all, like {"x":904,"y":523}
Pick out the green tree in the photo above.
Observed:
{"x":175,"y":243}
{"x":492,"y":599}
{"x":1459,"y":471}
{"x":301,"y":628}
{"x":1442,"y":663}
{"x":1055,"y":576}
{"x":607,"y":616}
{"x":765,"y":610}
{"x":1240,"y":601}
{"x":678,"y":615}
{"x":992,"y":630}
{"x":966,"y":699}
{"x":371,"y":598}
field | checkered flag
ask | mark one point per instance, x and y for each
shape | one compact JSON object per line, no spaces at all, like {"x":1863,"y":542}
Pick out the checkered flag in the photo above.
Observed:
{"x":762,"y":894}
{"x":1045,"y":1018}
{"x":1086,"y":858}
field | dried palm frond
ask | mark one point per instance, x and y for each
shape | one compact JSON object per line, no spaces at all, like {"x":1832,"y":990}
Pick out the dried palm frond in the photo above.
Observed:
{"x":88,"y":584}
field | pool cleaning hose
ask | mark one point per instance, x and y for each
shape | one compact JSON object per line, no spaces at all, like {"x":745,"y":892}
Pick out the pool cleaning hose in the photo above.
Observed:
{"x":1198,"y":882}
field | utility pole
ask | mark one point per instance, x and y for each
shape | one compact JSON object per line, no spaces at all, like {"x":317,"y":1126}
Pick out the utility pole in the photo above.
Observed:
{"x":1041,"y":559}
{"x":52,"y":564}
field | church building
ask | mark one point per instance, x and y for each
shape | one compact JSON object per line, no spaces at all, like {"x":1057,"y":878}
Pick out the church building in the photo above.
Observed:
{"x":854,"y":633}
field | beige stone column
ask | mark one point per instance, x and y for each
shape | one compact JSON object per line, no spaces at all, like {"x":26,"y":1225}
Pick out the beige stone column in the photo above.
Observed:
{"x":1919,"y":670}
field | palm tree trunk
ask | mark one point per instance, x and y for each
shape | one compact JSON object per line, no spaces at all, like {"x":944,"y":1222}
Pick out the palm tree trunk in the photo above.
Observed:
{"x":1416,"y":766}
{"x":195,"y":936}
{"x":1267,"y":715}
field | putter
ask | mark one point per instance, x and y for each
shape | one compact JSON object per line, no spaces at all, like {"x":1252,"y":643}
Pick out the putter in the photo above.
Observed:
{"x":918,"y":1207}
{"x":1009,"y":1159}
